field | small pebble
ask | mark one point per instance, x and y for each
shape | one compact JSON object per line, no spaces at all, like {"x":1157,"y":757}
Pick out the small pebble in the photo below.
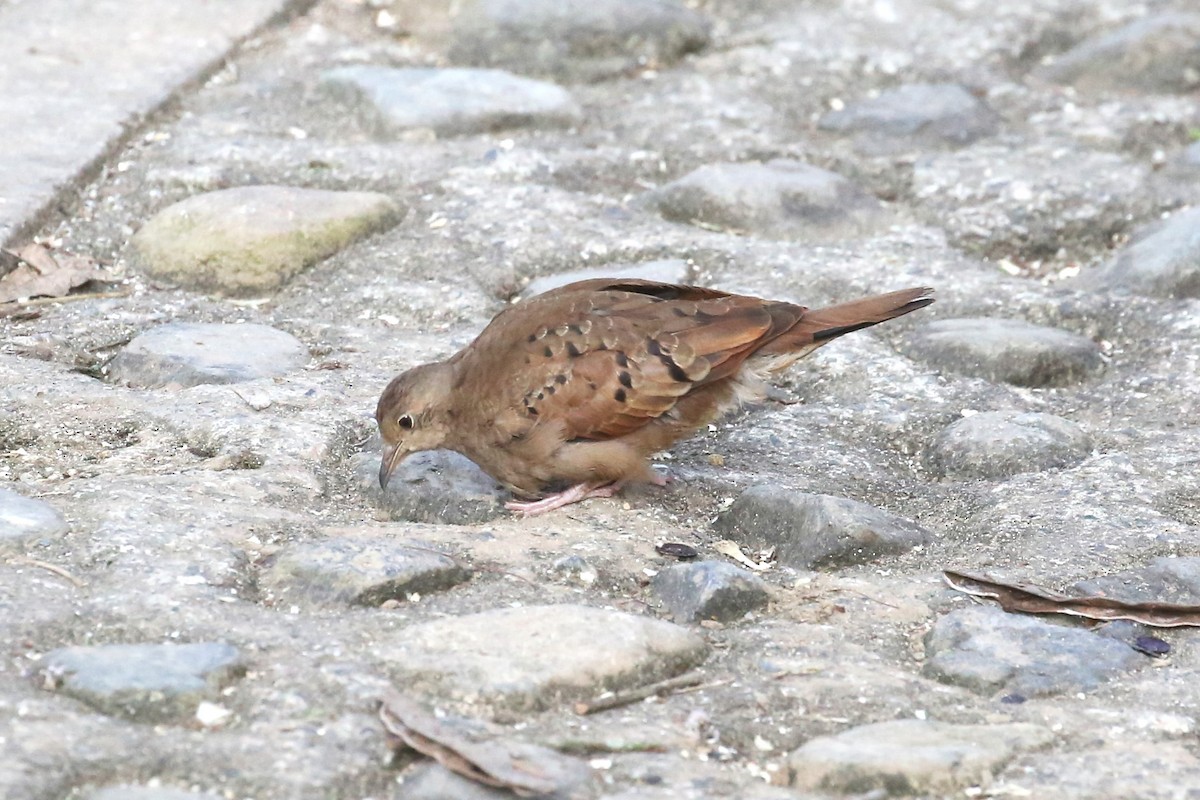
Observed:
{"x":1151,"y":646}
{"x":676,"y":550}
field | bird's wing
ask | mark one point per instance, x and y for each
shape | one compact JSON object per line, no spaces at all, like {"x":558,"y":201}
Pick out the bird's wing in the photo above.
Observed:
{"x":603,"y":358}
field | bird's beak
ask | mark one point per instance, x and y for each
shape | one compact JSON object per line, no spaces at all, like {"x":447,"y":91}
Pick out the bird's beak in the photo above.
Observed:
{"x":387,"y":465}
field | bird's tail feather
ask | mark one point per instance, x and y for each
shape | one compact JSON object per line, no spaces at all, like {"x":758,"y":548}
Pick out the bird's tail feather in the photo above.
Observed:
{"x":822,"y":325}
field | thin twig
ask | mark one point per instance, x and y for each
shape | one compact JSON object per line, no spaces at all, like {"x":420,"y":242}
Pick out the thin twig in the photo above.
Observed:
{"x":866,"y":596}
{"x":700,"y":687}
{"x":617,"y":699}
{"x":71,"y":298}
{"x":57,"y":570}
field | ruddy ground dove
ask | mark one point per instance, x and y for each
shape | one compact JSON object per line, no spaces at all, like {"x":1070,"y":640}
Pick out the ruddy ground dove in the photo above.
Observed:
{"x":565,"y":395}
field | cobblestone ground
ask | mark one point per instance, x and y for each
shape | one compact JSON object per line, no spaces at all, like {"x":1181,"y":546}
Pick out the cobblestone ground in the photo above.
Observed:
{"x":203,"y":592}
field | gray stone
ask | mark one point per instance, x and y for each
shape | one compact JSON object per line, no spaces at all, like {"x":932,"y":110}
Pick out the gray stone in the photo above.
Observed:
{"x":668,"y":270}
{"x":1157,"y":53}
{"x":1009,"y":350}
{"x":136,"y":60}
{"x":25,"y":519}
{"x":709,"y":590}
{"x":1163,"y":260}
{"x":434,"y":782}
{"x":129,"y":792}
{"x":575,"y":39}
{"x":1141,"y":767}
{"x":144,"y":682}
{"x":450,"y":102}
{"x":997,"y":444}
{"x":909,"y":756}
{"x":251,"y":240}
{"x":1126,"y":631}
{"x":434,"y":486}
{"x":813,"y":530}
{"x":534,"y":657}
{"x":341,"y":570}
{"x":1169,"y":579}
{"x":182,"y":354}
{"x":921,"y":113}
{"x":782,"y":199}
{"x":987,"y":650}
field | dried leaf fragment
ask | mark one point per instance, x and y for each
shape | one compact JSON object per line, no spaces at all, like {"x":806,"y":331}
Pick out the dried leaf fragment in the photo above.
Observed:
{"x":730,"y":548}
{"x":42,"y":272}
{"x":486,"y":758}
{"x":1035,"y":600}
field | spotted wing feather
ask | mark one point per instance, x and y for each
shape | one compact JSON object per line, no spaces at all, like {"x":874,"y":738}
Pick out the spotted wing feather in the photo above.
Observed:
{"x":621,"y":353}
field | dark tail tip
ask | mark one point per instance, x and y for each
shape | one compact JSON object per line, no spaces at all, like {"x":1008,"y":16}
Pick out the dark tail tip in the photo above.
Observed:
{"x":833,"y":333}
{"x":874,"y":310}
{"x":923,"y":298}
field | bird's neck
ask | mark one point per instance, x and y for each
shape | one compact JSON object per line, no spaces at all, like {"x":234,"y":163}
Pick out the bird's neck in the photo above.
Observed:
{"x":439,"y":381}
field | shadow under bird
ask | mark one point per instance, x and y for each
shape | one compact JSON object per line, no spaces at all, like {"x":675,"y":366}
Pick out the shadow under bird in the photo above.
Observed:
{"x":564,"y":396}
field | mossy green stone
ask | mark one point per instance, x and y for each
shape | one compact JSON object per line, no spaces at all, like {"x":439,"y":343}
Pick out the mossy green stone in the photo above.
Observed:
{"x":251,"y":240}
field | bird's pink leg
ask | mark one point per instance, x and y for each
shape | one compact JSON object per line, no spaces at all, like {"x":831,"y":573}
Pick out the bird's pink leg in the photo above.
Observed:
{"x":576,"y":493}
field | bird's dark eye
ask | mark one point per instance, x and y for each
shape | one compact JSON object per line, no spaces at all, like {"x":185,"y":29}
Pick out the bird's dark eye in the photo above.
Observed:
{"x":405,"y":421}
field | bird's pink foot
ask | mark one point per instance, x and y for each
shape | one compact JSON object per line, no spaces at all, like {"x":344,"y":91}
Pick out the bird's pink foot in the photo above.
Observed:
{"x":660,"y":478}
{"x":576,"y":493}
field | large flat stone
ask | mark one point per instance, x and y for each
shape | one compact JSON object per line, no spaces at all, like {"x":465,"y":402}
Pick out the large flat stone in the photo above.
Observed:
{"x":987,"y":650}
{"x":814,"y":530}
{"x":709,"y":590}
{"x":996,"y":444}
{"x":937,"y":114}
{"x":534,"y":657}
{"x":251,"y":240}
{"x":904,"y":757}
{"x":75,"y":109}
{"x":450,"y":102}
{"x":781,"y":199}
{"x":574,"y":39}
{"x":144,"y":682}
{"x":360,"y":572}
{"x":181,"y":354}
{"x":1009,"y":350}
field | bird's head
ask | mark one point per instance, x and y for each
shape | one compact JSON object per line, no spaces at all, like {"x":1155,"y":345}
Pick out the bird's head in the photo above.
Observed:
{"x":412,"y":414}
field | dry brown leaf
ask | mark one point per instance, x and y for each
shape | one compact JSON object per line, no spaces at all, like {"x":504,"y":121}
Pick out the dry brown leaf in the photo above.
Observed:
{"x":730,"y":548}
{"x":1035,"y":600}
{"x":42,"y":272}
{"x":489,"y":759}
